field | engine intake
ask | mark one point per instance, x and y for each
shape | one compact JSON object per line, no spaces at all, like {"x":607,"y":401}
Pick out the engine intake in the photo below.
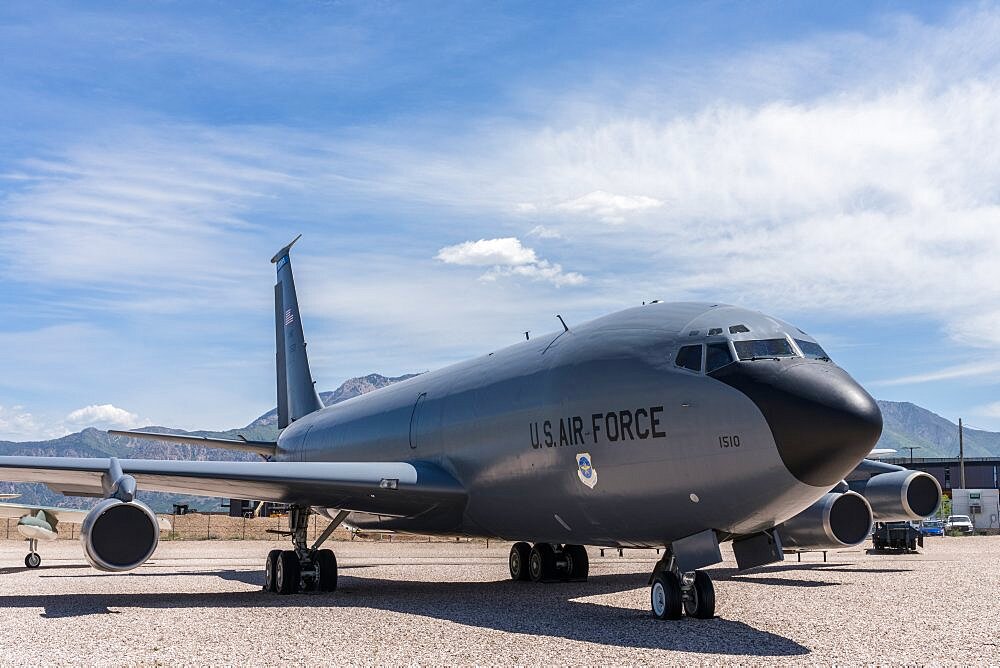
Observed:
{"x":902,"y":495}
{"x":118,"y":535}
{"x":835,"y":521}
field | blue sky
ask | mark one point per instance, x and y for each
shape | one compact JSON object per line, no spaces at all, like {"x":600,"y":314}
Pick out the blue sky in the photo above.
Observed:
{"x":463,"y":171}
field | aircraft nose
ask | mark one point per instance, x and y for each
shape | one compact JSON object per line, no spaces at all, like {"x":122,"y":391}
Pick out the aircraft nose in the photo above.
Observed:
{"x":823,"y":422}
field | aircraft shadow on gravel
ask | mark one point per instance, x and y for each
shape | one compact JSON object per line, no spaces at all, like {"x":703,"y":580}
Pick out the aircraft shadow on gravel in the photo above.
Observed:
{"x":511,"y":607}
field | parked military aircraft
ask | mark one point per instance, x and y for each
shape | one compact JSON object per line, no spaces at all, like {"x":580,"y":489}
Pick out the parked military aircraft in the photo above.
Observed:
{"x":37,"y":523}
{"x":666,"y":425}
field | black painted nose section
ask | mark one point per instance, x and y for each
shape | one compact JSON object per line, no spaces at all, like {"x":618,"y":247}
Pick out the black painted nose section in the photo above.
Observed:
{"x":823,"y":422}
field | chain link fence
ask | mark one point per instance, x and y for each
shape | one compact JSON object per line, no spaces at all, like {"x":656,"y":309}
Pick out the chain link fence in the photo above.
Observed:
{"x":220,"y":526}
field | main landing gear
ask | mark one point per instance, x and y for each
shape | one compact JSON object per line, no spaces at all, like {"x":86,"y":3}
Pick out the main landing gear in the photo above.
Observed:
{"x":547,"y":562}
{"x":304,"y":568}
{"x":33,"y":559}
{"x":673,"y":592}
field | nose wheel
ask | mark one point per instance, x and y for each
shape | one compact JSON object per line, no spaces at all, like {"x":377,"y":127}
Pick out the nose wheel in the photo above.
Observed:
{"x":33,"y":559}
{"x":673,"y":593}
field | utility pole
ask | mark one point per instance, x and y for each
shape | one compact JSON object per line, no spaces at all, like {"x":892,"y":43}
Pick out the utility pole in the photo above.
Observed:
{"x":961,"y":454}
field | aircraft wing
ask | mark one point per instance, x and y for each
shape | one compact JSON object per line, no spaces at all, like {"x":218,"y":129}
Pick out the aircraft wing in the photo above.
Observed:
{"x":17,"y":510}
{"x":383,"y":488}
{"x":866,"y":469}
{"x":876,"y":453}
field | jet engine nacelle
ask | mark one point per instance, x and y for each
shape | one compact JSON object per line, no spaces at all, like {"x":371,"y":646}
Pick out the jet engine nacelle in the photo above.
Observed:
{"x":835,"y":521}
{"x":902,"y":495}
{"x":119,"y":535}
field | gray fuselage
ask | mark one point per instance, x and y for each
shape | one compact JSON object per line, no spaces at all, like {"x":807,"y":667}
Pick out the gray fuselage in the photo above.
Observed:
{"x":672,"y":450}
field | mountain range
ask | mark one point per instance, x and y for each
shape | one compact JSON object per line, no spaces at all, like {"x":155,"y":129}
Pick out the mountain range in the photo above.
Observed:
{"x":905,"y":425}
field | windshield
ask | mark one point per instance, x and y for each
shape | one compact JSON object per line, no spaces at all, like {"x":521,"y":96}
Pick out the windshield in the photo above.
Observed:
{"x":763,"y":349}
{"x":812,"y":350}
{"x":959,"y":518}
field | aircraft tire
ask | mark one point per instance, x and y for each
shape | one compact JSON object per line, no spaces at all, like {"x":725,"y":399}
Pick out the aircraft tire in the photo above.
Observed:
{"x":542,"y":563}
{"x":579,"y":562}
{"x":326,"y":563}
{"x":701,"y":602}
{"x":287,"y":572}
{"x":33,"y":560}
{"x":270,"y":566}
{"x":520,"y":554}
{"x":665,"y":596}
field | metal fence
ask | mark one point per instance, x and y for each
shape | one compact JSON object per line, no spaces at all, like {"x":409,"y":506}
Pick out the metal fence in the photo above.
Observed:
{"x":220,"y":526}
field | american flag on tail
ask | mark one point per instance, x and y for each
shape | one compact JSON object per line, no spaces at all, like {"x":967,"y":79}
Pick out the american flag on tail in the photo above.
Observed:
{"x":289,"y":317}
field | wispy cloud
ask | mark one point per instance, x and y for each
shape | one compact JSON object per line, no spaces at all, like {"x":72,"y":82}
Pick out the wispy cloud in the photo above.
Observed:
{"x":543,"y":232}
{"x":19,"y":424}
{"x":988,"y":410}
{"x":972,"y":370}
{"x":608,"y":207}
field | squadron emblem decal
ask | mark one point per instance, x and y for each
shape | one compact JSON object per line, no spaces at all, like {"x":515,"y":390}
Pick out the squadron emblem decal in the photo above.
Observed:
{"x":585,"y":470}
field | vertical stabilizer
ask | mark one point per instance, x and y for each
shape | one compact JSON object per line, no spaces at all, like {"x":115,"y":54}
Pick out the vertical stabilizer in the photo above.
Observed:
{"x":297,"y":395}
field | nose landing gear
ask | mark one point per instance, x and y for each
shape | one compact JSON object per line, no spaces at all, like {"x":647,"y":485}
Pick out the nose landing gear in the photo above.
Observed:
{"x":546,"y":562}
{"x":304,"y":568}
{"x":33,"y":559}
{"x":672,"y":592}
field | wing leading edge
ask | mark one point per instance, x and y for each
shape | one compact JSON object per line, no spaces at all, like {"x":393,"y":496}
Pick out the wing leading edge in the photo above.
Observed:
{"x":384,"y":488}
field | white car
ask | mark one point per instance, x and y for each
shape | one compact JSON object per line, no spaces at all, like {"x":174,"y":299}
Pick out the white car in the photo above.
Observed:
{"x":959,"y":523}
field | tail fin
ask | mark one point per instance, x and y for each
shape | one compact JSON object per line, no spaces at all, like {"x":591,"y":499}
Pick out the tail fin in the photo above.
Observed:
{"x":297,"y":395}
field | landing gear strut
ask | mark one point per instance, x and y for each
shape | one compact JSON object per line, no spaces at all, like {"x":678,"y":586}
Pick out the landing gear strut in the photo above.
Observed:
{"x":33,"y":559}
{"x":673,"y":592}
{"x":303,"y":568}
{"x":546,"y":562}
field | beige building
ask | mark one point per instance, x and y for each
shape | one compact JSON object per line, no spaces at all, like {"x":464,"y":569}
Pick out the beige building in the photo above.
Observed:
{"x":981,"y":505}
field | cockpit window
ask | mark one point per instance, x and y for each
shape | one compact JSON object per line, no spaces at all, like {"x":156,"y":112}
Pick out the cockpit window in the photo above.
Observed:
{"x":763,"y":349}
{"x":714,"y":331}
{"x":813,"y":350}
{"x":738,"y":329}
{"x":717,"y":355}
{"x":689,"y":357}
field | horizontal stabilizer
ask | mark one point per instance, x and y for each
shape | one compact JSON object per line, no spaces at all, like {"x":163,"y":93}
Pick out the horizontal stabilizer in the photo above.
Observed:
{"x":262,"y":448}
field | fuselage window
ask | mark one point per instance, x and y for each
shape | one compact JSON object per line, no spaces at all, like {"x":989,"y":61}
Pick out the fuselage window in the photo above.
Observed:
{"x":763,"y":349}
{"x":717,"y":355}
{"x":689,"y":357}
{"x":813,"y":350}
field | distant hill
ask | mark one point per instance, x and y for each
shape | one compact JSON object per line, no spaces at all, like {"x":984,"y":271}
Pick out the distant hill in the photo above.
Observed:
{"x":906,"y":425}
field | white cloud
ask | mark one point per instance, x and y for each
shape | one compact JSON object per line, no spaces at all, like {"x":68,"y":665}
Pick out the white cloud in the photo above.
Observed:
{"x":507,"y":257}
{"x":486,"y":252}
{"x":609,"y":207}
{"x":104,"y":416}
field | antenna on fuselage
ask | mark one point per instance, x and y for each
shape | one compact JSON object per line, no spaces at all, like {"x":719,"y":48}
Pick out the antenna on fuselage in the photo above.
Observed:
{"x":526,"y":337}
{"x":565,"y":327}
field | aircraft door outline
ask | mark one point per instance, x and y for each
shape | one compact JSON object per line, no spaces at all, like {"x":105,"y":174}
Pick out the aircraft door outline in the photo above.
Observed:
{"x":415,"y":420}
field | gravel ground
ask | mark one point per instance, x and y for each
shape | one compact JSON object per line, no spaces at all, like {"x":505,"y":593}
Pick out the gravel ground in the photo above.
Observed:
{"x":200,"y":603}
